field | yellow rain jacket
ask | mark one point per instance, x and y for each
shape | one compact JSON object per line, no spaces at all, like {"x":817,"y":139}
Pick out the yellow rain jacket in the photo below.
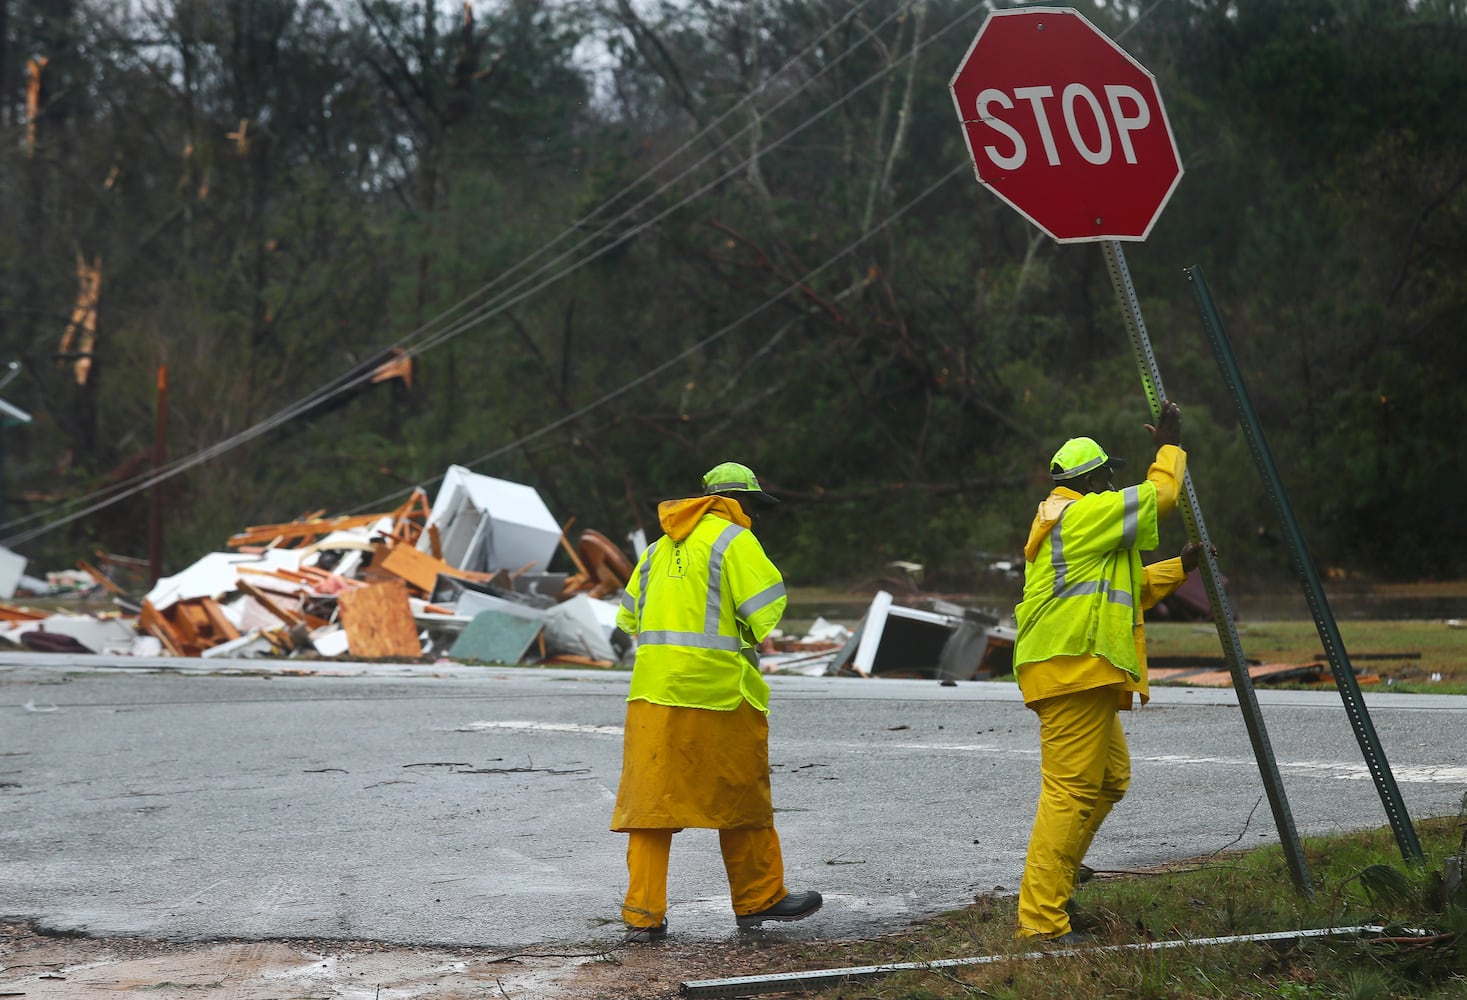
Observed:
{"x":1080,"y":622}
{"x":699,"y":602}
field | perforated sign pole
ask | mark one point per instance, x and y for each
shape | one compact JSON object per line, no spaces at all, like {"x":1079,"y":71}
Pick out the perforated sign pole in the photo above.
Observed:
{"x":1324,"y":619}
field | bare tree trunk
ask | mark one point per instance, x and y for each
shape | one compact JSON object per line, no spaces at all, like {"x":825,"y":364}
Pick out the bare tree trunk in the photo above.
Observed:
{"x":883,"y":116}
{"x":880,"y":191}
{"x":1037,"y":238}
{"x":49,"y":208}
{"x":755,"y":175}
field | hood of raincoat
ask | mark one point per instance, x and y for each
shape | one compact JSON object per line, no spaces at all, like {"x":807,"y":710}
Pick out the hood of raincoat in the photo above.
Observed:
{"x":680,"y":517}
{"x":1046,"y":517}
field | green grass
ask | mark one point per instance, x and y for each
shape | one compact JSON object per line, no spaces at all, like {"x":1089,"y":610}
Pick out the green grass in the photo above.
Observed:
{"x":1359,"y":879}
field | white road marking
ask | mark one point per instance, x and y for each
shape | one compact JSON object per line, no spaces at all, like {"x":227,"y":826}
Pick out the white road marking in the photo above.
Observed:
{"x":543,"y":727}
{"x":1412,"y":773}
{"x":1415,"y":773}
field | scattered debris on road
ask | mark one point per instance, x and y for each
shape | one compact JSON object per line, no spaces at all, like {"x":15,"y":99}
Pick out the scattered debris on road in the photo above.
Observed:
{"x":465,"y":579}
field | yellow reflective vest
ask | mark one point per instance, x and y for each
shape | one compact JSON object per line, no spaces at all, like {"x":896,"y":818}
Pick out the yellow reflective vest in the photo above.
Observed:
{"x":1084,"y":585}
{"x":699,"y":602}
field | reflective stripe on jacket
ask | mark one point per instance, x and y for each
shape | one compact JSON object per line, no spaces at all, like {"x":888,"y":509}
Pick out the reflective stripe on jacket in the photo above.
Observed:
{"x":1083,"y":578}
{"x":699,"y":605}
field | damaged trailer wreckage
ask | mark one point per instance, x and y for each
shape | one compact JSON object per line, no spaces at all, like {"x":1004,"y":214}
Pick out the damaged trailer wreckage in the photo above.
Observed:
{"x":467,"y":579}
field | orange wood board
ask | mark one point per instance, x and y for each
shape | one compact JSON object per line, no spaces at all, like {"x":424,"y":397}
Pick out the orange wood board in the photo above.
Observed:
{"x":379,"y":621}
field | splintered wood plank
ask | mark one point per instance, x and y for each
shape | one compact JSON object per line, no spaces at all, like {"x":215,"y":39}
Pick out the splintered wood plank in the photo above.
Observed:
{"x":571,"y":549}
{"x":302,"y":529}
{"x":408,"y":520}
{"x":284,"y":614}
{"x":191,"y":623}
{"x":379,"y":622}
{"x":224,"y":629}
{"x":417,"y":568}
{"x":100,"y":577}
{"x":420,"y":569}
{"x":153,"y":623}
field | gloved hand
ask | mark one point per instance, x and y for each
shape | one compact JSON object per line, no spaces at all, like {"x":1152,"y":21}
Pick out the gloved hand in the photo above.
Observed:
{"x":1168,"y":429}
{"x":1191,"y":553}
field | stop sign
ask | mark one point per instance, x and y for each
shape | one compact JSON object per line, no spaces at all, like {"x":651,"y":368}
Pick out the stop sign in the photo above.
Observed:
{"x":1065,"y":126}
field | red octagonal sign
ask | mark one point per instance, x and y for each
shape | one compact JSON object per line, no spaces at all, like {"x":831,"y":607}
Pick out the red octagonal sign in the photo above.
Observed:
{"x":1065,"y":126}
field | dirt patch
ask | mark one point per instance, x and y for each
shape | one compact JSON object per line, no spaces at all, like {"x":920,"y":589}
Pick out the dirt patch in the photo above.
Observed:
{"x":42,"y":967}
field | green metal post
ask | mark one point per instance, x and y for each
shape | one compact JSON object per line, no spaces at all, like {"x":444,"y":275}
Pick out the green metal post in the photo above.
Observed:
{"x":1324,"y":620}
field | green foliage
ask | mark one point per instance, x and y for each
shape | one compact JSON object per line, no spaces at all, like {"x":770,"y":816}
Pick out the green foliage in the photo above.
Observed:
{"x":555,"y":207}
{"x":1236,"y":894}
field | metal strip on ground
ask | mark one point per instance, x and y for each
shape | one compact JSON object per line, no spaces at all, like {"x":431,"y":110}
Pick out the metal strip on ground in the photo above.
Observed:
{"x":753,"y":986}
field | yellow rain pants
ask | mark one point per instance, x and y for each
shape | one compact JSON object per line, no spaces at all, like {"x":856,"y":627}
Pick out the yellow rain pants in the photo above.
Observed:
{"x":751,"y":857}
{"x":691,"y":767}
{"x":1085,"y":769}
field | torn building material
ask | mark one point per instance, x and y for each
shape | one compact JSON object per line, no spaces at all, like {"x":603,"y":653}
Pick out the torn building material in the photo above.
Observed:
{"x":496,"y":637}
{"x":486,"y":523}
{"x":471,"y":602}
{"x":824,"y":649}
{"x":379,"y":622}
{"x":302,"y":531}
{"x":419,"y":569}
{"x":947,"y":641}
{"x":113,"y":635}
{"x":12,"y":569}
{"x":397,"y":585}
{"x":582,"y":626}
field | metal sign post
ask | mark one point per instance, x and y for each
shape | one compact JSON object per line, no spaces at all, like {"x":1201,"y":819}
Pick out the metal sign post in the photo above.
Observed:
{"x":1324,"y":621}
{"x":1222,"y":612}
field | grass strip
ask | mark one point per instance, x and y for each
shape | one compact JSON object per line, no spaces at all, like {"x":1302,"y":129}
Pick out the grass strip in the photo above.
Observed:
{"x":1229,"y":925}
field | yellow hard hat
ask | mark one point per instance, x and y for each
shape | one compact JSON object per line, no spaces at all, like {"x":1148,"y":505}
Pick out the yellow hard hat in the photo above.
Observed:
{"x":1076,"y":457}
{"x":731,"y":477}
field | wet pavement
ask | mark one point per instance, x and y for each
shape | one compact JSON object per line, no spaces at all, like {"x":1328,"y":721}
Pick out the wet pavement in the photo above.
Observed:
{"x":443,"y":807}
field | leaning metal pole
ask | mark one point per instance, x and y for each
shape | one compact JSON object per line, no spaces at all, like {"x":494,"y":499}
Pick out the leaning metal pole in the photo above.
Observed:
{"x":1324,"y":620}
{"x":1222,"y":612}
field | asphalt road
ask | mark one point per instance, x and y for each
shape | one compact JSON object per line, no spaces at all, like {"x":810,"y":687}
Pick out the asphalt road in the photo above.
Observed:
{"x":469,"y":806}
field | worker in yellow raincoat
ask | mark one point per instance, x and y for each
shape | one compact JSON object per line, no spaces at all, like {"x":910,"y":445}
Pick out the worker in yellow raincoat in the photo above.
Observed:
{"x":700,"y":601}
{"x":1080,"y":651}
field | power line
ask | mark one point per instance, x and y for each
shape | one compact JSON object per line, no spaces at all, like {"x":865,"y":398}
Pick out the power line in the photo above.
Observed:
{"x":722,"y":332}
{"x":115,"y":492}
{"x":507,"y":299}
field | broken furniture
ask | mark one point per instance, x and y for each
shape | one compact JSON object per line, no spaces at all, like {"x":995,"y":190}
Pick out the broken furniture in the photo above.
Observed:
{"x":944,"y":641}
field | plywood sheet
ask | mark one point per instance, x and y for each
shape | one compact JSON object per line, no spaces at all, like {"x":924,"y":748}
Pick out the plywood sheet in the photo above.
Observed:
{"x":420,"y":569}
{"x":379,"y":622}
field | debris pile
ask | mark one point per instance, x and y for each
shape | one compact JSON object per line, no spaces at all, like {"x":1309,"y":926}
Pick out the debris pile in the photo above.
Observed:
{"x":939,"y":640}
{"x":467,"y":578}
